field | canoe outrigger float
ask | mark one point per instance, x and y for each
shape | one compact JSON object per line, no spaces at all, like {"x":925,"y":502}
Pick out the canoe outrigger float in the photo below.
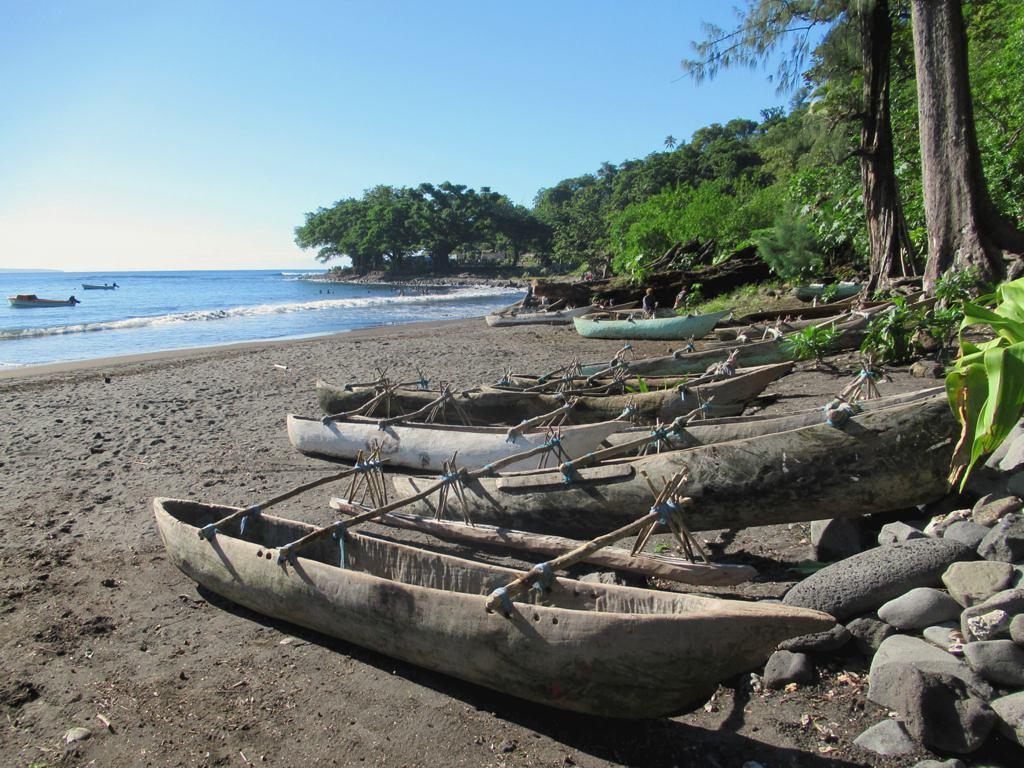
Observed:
{"x":594,"y":648}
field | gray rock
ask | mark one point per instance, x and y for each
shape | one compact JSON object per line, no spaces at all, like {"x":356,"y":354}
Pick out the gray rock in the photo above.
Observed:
{"x":998,"y":661}
{"x":785,"y":667}
{"x":1017,"y":629}
{"x":991,"y":508}
{"x":940,"y":710}
{"x":926,"y":369}
{"x":951,"y":763}
{"x":1005,"y":540}
{"x":863,"y":582}
{"x":973,"y":582}
{"x":1001,"y":457}
{"x":912,"y":651}
{"x":869,"y":633}
{"x":945,"y":636}
{"x":938,"y":524}
{"x":821,"y":642}
{"x":1015,"y":484}
{"x":966,"y":532}
{"x":989,"y":626}
{"x":886,"y":738}
{"x":1010,"y":710}
{"x":894,"y":533}
{"x":919,"y":608}
{"x":1009,"y":600}
{"x":836,"y":539}
{"x":76,"y":734}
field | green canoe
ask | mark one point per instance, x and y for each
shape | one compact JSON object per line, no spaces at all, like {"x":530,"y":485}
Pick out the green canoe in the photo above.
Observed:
{"x":673,"y":328}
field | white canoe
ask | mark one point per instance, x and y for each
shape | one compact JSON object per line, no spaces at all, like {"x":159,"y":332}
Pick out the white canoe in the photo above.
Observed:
{"x":427,"y":446}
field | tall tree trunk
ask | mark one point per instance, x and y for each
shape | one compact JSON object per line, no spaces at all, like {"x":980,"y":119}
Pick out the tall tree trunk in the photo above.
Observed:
{"x":891,"y":251}
{"x":964,"y":228}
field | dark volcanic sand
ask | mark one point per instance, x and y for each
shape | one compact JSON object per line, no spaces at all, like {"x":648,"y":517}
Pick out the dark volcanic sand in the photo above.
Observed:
{"x":96,"y":622}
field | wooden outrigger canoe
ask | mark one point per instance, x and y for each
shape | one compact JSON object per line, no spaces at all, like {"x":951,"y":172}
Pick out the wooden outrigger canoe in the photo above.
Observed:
{"x":878,"y":461}
{"x":492,"y":405}
{"x":817,"y":290}
{"x":547,"y":317}
{"x":671,"y":328}
{"x":723,"y":430}
{"x":428,"y":446}
{"x":748,"y":354}
{"x":594,"y":648}
{"x":759,"y":331}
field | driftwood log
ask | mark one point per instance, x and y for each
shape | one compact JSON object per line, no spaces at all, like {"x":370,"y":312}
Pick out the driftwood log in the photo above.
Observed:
{"x":742,"y":267}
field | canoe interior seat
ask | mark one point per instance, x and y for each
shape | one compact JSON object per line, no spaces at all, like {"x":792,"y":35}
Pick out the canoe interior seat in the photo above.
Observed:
{"x":409,"y":565}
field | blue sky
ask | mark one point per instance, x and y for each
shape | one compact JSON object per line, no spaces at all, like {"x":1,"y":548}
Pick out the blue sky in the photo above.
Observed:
{"x":161,"y":135}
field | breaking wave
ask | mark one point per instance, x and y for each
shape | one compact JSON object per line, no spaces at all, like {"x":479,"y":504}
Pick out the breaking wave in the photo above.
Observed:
{"x":362,"y":302}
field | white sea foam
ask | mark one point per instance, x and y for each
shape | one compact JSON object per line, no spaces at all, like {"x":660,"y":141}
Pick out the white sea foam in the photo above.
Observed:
{"x":361,"y":302}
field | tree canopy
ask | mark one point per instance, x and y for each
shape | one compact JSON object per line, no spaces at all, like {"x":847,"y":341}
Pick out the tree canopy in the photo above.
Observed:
{"x":831,"y":180}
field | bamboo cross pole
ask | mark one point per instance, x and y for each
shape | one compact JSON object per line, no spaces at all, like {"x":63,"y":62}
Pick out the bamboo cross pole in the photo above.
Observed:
{"x":517,"y":431}
{"x":365,"y":408}
{"x":446,"y":395}
{"x":522,"y":584}
{"x":209,"y":531}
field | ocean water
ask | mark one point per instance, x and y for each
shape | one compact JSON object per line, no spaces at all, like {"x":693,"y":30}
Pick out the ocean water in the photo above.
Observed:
{"x":153,"y":311}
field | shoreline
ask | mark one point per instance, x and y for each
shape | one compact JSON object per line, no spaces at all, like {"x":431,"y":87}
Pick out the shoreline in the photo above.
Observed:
{"x":183,"y":354}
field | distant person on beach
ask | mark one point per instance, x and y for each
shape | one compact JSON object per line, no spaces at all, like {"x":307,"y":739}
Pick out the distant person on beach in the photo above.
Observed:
{"x":681,"y":298}
{"x":530,"y":300}
{"x":649,"y":304}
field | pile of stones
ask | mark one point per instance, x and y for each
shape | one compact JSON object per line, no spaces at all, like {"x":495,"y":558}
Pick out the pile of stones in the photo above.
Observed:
{"x":937,"y":605}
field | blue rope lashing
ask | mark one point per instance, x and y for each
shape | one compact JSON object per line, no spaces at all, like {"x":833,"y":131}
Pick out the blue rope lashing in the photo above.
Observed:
{"x":339,"y":536}
{"x":366,"y":466}
{"x":284,"y":554}
{"x":347,"y":387}
{"x":545,"y":576}
{"x":208,"y":532}
{"x":664,"y":510}
{"x":691,"y":347}
{"x":626,"y":347}
{"x":249,"y":513}
{"x":705,"y":407}
{"x":629,"y":410}
{"x":837,"y":414}
{"x":424,"y":382}
{"x":866,"y":374}
{"x":506,"y":601}
{"x":661,"y":433}
{"x":568,"y":477}
{"x":451,"y":477}
{"x":554,"y":442}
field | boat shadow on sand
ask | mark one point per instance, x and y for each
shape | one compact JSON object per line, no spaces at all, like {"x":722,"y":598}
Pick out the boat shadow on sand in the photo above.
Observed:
{"x":639,"y":743}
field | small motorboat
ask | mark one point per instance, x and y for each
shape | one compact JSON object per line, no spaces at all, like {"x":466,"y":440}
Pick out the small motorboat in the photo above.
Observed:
{"x":94,"y":287}
{"x":24,"y":300}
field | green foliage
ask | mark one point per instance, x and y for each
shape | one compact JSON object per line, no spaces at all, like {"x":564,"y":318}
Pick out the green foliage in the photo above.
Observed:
{"x":986,"y":384}
{"x":662,"y":547}
{"x":889,"y":334}
{"x":814,"y":341}
{"x":790,"y":248}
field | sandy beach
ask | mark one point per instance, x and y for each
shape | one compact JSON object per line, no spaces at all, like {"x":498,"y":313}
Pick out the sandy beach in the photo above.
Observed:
{"x":99,"y":628}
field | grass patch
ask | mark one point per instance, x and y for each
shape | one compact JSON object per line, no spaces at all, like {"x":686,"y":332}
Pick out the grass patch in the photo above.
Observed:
{"x":747,"y":298}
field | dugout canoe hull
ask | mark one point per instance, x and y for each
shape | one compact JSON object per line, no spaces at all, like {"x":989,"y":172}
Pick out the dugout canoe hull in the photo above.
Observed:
{"x":670,"y":328}
{"x":878,"y":461}
{"x":748,"y":354}
{"x":491,"y":405}
{"x":427,"y":446}
{"x":593,"y":648}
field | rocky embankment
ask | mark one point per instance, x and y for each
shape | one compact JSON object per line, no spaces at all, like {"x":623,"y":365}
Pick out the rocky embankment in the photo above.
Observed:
{"x":935,"y":599}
